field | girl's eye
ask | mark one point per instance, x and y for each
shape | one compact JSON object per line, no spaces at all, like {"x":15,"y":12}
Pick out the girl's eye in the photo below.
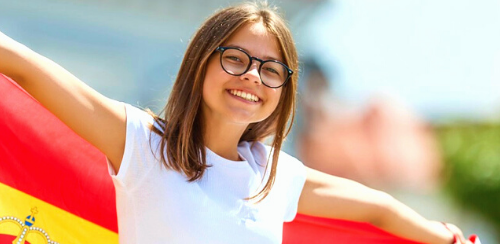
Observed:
{"x":271,"y":70}
{"x":233,"y":58}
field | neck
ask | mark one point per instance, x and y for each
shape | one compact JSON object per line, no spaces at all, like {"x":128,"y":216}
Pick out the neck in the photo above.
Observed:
{"x":223,"y":138}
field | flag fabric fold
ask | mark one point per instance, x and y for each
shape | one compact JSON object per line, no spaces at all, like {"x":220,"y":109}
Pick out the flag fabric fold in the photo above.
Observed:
{"x":54,"y":186}
{"x":308,"y":229}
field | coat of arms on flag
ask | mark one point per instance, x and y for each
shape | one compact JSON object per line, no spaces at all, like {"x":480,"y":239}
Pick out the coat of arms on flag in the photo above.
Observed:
{"x":27,"y":228}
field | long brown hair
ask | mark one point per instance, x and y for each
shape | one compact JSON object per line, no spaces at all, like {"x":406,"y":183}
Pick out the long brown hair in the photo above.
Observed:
{"x":182,"y":148}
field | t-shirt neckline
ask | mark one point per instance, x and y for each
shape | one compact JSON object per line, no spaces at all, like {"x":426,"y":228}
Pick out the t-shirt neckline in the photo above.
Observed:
{"x":214,"y":157}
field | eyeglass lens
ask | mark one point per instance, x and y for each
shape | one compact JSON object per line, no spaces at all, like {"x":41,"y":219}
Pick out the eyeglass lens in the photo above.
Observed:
{"x":236,"y":62}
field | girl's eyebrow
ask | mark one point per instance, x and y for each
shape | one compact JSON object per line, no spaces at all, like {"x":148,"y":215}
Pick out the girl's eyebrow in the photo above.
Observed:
{"x":265,"y":58}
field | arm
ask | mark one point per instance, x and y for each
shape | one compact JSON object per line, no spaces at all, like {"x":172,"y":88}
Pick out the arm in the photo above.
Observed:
{"x":328,"y":196}
{"x":96,"y":118}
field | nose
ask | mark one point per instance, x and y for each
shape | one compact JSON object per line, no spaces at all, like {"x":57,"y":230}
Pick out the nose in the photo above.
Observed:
{"x":252,"y":73}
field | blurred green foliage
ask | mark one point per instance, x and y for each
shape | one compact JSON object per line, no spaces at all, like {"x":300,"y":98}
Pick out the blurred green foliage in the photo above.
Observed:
{"x":472,"y":157}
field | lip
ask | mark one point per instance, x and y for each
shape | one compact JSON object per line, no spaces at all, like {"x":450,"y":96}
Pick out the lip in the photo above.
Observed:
{"x":242,"y":99}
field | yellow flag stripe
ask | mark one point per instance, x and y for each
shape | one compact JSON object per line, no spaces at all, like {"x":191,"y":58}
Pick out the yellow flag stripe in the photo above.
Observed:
{"x":59,"y":225}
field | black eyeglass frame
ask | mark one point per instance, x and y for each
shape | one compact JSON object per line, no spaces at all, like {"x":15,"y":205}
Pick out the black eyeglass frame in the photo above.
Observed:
{"x":289,"y":72}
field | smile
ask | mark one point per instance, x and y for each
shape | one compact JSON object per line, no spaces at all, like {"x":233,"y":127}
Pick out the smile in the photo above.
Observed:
{"x":245,"y":95}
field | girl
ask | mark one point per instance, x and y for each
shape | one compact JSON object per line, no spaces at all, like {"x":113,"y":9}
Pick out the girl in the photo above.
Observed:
{"x":200,"y":174}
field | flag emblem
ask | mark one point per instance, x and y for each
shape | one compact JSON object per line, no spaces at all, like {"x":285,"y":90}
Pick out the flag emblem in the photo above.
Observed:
{"x":27,"y":227}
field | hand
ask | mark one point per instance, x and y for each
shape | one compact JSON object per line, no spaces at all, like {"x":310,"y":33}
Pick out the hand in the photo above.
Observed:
{"x":457,"y":233}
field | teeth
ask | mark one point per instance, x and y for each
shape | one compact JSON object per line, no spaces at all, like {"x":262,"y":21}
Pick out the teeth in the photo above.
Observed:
{"x":244,"y":95}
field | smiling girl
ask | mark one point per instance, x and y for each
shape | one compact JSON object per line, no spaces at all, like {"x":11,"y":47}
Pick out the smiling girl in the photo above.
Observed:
{"x":199,"y":173}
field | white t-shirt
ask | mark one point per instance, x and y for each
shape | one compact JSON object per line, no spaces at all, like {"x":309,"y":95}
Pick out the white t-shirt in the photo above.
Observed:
{"x":158,"y":205}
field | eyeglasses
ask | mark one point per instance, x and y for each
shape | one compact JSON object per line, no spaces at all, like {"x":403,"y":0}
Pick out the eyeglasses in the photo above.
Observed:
{"x":235,"y":61}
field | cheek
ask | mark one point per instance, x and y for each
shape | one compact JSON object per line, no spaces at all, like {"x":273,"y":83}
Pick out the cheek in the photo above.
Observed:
{"x":209,"y":74}
{"x":211,"y":77}
{"x":276,"y":95}
{"x":214,"y":75}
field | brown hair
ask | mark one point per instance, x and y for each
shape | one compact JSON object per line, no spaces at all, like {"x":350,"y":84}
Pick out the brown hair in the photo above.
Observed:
{"x":183,"y":124}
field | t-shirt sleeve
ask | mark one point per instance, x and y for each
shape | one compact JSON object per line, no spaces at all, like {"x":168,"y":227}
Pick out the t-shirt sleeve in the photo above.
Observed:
{"x":295,"y":173}
{"x":138,"y":157}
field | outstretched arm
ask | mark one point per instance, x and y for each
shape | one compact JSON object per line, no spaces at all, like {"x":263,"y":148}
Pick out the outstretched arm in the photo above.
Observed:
{"x":96,"y":118}
{"x":333,"y":197}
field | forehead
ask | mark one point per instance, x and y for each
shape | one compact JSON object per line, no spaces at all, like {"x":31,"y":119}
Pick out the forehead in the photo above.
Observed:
{"x":256,"y":40}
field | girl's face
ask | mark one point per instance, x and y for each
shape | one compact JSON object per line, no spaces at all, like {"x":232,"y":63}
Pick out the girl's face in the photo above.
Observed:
{"x":242,"y":99}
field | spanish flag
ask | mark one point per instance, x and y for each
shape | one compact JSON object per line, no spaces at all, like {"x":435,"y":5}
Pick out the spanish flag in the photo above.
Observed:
{"x":55,"y":188}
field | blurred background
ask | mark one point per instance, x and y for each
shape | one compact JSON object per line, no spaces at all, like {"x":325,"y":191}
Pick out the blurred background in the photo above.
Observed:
{"x":400,"y":95}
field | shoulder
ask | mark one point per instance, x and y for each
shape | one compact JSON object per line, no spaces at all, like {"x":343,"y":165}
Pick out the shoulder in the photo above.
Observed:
{"x":141,"y":147}
{"x":137,"y":116}
{"x":140,"y":120}
{"x":139,"y":132}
